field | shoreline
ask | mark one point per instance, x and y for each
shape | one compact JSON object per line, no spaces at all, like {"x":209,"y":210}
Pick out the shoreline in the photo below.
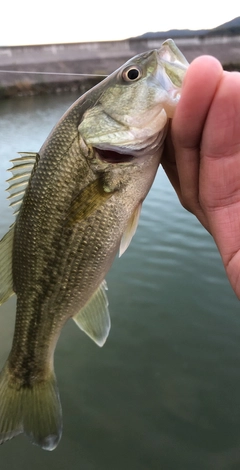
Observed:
{"x":99,"y":58}
{"x":26,"y":88}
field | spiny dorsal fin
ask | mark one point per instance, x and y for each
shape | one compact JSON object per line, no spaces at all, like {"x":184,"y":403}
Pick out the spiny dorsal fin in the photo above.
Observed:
{"x":94,"y":317}
{"x":130,"y":230}
{"x":6,"y":282}
{"x":21,"y":170}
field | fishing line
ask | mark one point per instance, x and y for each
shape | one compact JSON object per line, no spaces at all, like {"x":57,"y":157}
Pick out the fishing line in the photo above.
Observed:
{"x":54,"y":73}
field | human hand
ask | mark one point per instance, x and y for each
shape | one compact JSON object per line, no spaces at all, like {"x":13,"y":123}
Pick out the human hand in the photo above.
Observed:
{"x":202,"y":156}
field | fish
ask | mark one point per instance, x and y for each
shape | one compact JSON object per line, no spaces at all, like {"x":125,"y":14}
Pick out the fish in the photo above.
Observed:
{"x":77,"y":203}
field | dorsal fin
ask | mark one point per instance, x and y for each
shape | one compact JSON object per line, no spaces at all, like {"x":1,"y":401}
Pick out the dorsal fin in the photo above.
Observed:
{"x":6,"y":283}
{"x":21,"y":170}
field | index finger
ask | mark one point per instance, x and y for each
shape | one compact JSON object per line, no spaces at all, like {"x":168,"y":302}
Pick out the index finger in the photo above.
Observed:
{"x":200,"y":85}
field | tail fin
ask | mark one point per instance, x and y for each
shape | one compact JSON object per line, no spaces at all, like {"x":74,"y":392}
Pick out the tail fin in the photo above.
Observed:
{"x":35,"y":411}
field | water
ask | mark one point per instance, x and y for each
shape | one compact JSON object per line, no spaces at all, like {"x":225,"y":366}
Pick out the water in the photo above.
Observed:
{"x":163,"y":393}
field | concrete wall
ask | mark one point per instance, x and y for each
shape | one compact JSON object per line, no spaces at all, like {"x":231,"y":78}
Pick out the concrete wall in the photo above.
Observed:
{"x":99,"y":57}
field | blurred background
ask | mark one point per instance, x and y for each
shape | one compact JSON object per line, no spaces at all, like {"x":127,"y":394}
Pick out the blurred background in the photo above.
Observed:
{"x":164,"y":391}
{"x":86,"y":40}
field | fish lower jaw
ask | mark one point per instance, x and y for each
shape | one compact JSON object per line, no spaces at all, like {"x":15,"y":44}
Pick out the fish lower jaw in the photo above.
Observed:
{"x":130,"y":155}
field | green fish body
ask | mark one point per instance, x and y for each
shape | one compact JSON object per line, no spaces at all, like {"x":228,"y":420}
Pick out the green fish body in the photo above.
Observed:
{"x":81,"y":205}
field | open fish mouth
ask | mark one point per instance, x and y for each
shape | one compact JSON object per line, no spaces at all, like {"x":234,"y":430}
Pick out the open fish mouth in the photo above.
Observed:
{"x":117,"y":154}
{"x":111,"y":156}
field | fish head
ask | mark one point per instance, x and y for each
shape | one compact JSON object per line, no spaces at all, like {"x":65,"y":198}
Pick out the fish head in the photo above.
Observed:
{"x":130,"y":110}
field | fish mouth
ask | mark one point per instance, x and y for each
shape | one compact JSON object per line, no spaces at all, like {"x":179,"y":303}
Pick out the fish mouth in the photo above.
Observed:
{"x":111,"y":156}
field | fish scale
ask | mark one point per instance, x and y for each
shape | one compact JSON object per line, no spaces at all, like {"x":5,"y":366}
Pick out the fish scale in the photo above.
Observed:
{"x":83,"y":198}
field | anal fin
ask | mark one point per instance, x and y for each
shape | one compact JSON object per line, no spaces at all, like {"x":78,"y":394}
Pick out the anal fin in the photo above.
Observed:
{"x":94,"y":317}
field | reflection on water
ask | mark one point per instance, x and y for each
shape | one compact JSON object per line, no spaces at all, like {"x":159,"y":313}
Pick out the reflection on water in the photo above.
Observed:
{"x":164,"y":391}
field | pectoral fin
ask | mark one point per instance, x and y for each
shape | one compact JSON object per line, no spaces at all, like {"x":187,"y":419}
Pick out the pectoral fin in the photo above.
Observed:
{"x":6,"y":282}
{"x":130,"y":230}
{"x":94,"y":317}
{"x":87,"y":202}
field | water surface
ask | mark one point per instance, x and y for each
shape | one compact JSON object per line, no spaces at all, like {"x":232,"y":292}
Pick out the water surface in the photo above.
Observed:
{"x":164,"y":392}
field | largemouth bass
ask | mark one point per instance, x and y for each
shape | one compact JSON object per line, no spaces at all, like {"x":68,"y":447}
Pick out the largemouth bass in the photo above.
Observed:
{"x":78,"y":202}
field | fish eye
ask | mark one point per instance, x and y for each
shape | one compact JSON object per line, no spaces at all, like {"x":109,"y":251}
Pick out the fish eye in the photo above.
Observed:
{"x":131,"y":74}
